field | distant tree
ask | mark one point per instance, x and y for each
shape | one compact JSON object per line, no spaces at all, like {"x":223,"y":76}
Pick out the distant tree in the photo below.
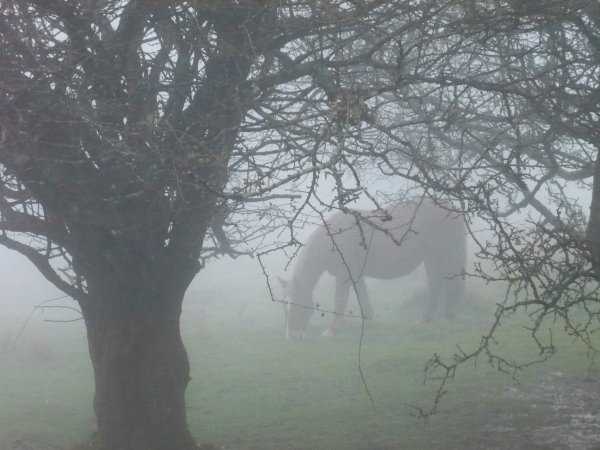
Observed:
{"x":509,"y":128}
{"x":130,"y":129}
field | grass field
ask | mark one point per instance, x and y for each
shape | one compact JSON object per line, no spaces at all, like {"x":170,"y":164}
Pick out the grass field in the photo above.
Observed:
{"x":251,"y":389}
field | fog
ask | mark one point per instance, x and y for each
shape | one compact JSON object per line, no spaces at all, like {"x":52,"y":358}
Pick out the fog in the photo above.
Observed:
{"x":22,"y":286}
{"x":252,"y":389}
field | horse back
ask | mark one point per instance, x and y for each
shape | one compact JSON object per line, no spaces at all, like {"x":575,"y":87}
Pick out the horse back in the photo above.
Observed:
{"x":392,"y":243}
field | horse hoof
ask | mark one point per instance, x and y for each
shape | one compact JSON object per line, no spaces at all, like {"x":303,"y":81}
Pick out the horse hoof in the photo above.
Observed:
{"x":328,"y":333}
{"x":422,"y":322}
{"x":294,"y":336}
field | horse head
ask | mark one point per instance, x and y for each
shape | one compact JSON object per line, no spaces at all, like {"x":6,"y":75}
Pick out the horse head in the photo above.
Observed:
{"x":298,"y":308}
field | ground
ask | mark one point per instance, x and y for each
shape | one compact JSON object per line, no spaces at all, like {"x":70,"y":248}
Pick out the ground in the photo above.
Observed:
{"x":560,"y":415}
{"x":252,"y":390}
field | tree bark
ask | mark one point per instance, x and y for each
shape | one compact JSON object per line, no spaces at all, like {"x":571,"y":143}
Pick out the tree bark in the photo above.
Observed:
{"x":141,"y":372}
{"x":593,"y":229}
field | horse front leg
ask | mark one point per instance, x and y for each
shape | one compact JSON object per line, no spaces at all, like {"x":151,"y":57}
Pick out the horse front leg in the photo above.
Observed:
{"x":342,"y":290}
{"x":362,"y":295}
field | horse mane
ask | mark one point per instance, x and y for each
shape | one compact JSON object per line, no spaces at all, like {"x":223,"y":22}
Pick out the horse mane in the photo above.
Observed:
{"x":304,"y":254}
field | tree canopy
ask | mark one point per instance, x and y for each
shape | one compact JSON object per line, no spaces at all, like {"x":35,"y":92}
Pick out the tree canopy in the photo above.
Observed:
{"x":138,"y":137}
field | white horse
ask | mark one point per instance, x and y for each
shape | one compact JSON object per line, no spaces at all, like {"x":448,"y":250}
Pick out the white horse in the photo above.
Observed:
{"x":384,"y":245}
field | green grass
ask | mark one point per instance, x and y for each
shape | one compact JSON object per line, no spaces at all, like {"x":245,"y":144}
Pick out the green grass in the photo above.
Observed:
{"x":46,"y":397}
{"x":251,"y":389}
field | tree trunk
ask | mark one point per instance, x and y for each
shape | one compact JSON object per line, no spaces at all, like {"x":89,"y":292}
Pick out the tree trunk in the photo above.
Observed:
{"x":141,"y":372}
{"x":593,"y":229}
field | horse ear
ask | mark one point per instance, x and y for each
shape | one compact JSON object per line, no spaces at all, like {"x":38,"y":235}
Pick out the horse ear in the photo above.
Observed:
{"x":283,"y":282}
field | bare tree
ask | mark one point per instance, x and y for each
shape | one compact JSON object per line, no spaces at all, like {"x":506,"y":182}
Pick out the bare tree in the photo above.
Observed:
{"x":128,"y":127}
{"x":131,"y":129}
{"x":509,"y":128}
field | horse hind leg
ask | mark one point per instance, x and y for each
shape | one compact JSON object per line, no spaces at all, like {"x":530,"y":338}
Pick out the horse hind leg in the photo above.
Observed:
{"x":342,"y":290}
{"x":455,"y":294}
{"x":435,"y":282}
{"x":362,"y":295}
